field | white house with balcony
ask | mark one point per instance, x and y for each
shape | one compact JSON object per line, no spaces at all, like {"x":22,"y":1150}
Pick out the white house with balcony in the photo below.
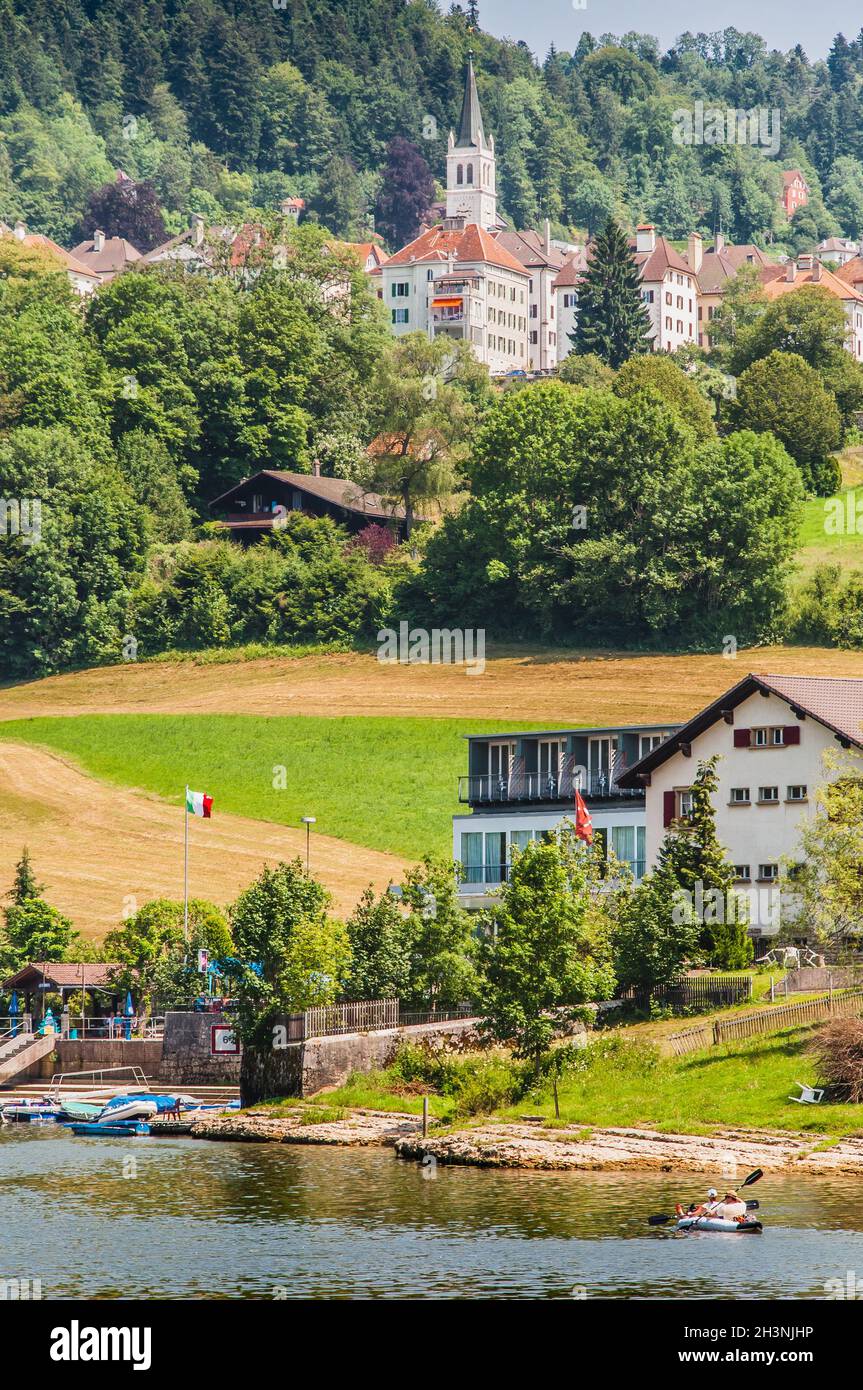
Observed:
{"x":521,"y":787}
{"x":770,"y":734}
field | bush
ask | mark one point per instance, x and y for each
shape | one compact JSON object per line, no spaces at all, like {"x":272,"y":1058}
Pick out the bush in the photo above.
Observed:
{"x":838,"y":1052}
{"x":477,"y":1083}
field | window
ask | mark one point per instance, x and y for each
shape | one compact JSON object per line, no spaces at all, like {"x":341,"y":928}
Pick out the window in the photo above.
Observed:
{"x":684,"y":803}
{"x":768,"y":738}
{"x":739,"y":796}
{"x":627,"y":844}
{"x":400,"y":315}
{"x":767,"y":873}
{"x":667,"y":297}
{"x":459,"y":175}
{"x":533,"y":337}
{"x":499,"y":758}
{"x":680,"y":301}
{"x":570,"y":300}
{"x":495,"y":856}
{"x":470,"y":173}
{"x":741,"y":872}
{"x":471,"y":856}
{"x":647,"y":296}
{"x":768,"y":793}
{"x":797,"y":792}
{"x":668,"y":322}
{"x":680,"y":325}
{"x":648,"y":742}
{"x":519,"y":839}
{"x":534,"y":310}
{"x":401,"y":289}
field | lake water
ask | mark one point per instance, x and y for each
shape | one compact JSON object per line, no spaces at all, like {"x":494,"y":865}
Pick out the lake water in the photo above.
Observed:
{"x":190,"y":1219}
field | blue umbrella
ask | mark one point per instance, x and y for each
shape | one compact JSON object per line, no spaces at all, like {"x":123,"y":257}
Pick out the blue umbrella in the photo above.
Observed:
{"x":13,"y":1011}
{"x":130,"y":1009}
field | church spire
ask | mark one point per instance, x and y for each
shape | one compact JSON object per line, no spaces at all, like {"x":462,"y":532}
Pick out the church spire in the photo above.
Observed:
{"x":471,"y":134}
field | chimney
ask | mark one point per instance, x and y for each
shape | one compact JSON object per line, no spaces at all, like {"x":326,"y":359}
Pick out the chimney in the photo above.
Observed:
{"x":197,"y":229}
{"x":645,"y":237}
{"x":804,"y":260}
{"x":316,"y":468}
{"x":98,"y":242}
{"x":791,"y":270}
{"x":694,"y":249}
{"x":20,"y":230}
{"x":719,"y":245}
{"x":547,"y":240}
{"x":816,"y":272}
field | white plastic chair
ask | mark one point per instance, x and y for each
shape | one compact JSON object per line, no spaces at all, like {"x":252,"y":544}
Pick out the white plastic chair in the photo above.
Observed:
{"x":811,"y":1094}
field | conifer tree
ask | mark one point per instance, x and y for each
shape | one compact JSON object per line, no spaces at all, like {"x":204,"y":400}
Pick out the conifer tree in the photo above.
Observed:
{"x":695,"y":858}
{"x":612,"y":319}
{"x":25,"y":885}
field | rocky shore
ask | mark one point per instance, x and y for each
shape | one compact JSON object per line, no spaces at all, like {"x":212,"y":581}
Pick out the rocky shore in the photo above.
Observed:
{"x":534,"y":1145}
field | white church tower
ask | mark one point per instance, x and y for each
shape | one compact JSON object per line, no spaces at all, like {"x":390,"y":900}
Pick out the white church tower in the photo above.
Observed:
{"x":470,"y":164}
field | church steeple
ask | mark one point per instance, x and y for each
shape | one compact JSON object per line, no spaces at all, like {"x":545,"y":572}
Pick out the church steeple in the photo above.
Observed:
{"x":471,"y":133}
{"x":470,"y":163}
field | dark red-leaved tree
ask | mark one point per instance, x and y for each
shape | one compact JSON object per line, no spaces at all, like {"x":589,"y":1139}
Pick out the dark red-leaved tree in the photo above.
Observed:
{"x":376,"y":541}
{"x":406,"y":195}
{"x":127,"y":209}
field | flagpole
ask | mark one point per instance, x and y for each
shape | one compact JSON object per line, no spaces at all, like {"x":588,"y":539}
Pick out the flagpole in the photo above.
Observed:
{"x":186,"y":867}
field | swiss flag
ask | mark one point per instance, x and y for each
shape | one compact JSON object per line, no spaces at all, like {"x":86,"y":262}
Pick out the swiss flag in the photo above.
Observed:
{"x":583,"y":823}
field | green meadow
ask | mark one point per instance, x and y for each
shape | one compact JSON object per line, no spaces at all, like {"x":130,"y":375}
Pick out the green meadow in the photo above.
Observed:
{"x":387,"y":784}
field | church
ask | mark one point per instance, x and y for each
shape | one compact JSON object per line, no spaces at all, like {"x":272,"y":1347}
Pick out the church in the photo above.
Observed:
{"x":459,"y":279}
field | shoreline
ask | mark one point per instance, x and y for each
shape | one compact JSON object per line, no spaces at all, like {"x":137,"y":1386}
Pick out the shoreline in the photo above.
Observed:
{"x":532,"y":1145}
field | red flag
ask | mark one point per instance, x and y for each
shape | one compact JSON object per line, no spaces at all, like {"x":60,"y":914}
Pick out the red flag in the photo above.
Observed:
{"x":583,"y":823}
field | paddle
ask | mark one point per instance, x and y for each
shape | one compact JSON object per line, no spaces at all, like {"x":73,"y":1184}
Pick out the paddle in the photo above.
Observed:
{"x":661,"y":1220}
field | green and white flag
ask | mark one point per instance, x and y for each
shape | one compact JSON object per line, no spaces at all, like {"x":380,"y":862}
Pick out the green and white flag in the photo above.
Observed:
{"x":199,"y":804}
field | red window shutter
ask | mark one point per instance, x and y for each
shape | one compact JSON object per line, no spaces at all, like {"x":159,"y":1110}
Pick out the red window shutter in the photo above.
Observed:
{"x":668,"y":800}
{"x":791,"y":733}
{"x":742,"y":738}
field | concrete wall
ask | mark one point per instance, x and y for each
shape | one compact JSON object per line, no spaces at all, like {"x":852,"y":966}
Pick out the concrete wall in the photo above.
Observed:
{"x":186,"y":1058}
{"x":301,"y":1069}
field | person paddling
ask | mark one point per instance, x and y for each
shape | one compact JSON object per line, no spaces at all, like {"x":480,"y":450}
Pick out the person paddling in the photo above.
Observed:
{"x":705,"y":1209}
{"x":731,"y":1208}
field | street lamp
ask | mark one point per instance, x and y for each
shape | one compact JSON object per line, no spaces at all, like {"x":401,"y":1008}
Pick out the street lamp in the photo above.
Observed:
{"x":308,"y":822}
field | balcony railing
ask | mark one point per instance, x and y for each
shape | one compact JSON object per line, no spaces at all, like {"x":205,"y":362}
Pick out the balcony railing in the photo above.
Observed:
{"x":539,"y":786}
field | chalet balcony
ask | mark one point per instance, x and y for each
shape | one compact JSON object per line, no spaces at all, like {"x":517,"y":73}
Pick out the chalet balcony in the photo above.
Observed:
{"x":490,"y":789}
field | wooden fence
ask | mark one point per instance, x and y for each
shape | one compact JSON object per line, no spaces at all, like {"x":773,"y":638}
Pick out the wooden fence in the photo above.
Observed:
{"x":697,"y":993}
{"x":770,"y":1019}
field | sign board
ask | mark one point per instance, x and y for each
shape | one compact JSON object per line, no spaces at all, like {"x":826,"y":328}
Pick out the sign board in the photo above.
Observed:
{"x":203,"y":961}
{"x":223,"y":1041}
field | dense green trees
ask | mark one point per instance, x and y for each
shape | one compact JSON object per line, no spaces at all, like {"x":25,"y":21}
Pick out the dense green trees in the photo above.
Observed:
{"x":612,"y":321}
{"x":782,"y":394}
{"x":676,"y":536}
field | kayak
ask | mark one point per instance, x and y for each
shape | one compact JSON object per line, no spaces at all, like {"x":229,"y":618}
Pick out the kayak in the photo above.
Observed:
{"x":121,"y":1130}
{"x":714,"y":1223}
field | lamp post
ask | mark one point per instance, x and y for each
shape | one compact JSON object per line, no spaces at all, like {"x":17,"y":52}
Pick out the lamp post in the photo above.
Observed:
{"x":308,"y":822}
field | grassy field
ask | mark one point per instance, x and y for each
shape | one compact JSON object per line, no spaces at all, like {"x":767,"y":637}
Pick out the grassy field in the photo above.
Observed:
{"x":387,"y":784}
{"x":746,"y":1085}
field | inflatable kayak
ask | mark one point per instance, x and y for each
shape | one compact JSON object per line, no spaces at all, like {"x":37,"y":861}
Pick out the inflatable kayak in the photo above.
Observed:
{"x":713,"y":1223}
{"x":122,"y":1130}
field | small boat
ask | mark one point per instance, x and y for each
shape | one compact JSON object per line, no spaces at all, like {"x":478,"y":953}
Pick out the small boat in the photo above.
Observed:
{"x":24,"y":1110}
{"x":712,"y":1223}
{"x":80,"y":1110}
{"x":122,"y":1130}
{"x":127,"y":1108}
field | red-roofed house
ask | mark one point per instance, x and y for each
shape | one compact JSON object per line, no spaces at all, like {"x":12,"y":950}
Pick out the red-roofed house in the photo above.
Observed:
{"x":566,"y":295}
{"x":795,"y":191}
{"x":669,"y":288}
{"x":808,"y":270}
{"x":542,"y":260}
{"x":458,"y":281}
{"x":106,"y":256}
{"x":81,"y":277}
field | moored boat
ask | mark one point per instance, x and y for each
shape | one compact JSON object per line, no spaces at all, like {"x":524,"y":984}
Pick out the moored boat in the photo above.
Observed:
{"x":25,"y":1110}
{"x":116,"y":1130}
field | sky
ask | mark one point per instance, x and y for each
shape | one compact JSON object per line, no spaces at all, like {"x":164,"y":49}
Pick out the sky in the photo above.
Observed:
{"x":543,"y":22}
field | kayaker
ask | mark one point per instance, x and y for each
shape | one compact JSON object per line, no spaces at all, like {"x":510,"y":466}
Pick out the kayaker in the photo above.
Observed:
{"x":704,"y":1209}
{"x":731,"y":1208}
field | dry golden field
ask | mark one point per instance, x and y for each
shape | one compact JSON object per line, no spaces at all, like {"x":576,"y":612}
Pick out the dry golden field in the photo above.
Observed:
{"x":554,"y":686}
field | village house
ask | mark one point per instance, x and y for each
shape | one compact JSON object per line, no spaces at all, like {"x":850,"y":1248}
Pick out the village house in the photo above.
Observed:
{"x":521,"y":787}
{"x":258,"y":505}
{"x":795,"y":191}
{"x":770,"y":734}
{"x":807,"y":270}
{"x":716,"y":269}
{"x":81,"y":277}
{"x":669,"y":289}
{"x":106,"y":257}
{"x":543,"y":261}
{"x":566,"y":300}
{"x":836,"y":250}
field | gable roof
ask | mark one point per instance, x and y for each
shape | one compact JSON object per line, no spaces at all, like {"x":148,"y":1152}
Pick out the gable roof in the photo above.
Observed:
{"x":470,"y":132}
{"x":851,"y":272}
{"x":470,"y":244}
{"x":527,"y":247}
{"x":115,"y":255}
{"x":790,"y":176}
{"x":363,"y":249}
{"x":38,"y":242}
{"x":90,"y":974}
{"x":653,"y":264}
{"x":834,"y":701}
{"x":718,"y":267}
{"x":338,"y":491}
{"x":775,"y":282}
{"x":572,"y":270}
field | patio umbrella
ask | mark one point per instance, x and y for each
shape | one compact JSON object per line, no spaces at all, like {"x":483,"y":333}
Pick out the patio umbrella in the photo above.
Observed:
{"x":129,"y":1011}
{"x":13,"y":1013}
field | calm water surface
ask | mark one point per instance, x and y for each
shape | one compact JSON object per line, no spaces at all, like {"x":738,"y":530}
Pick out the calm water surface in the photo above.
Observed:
{"x":221,"y":1220}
